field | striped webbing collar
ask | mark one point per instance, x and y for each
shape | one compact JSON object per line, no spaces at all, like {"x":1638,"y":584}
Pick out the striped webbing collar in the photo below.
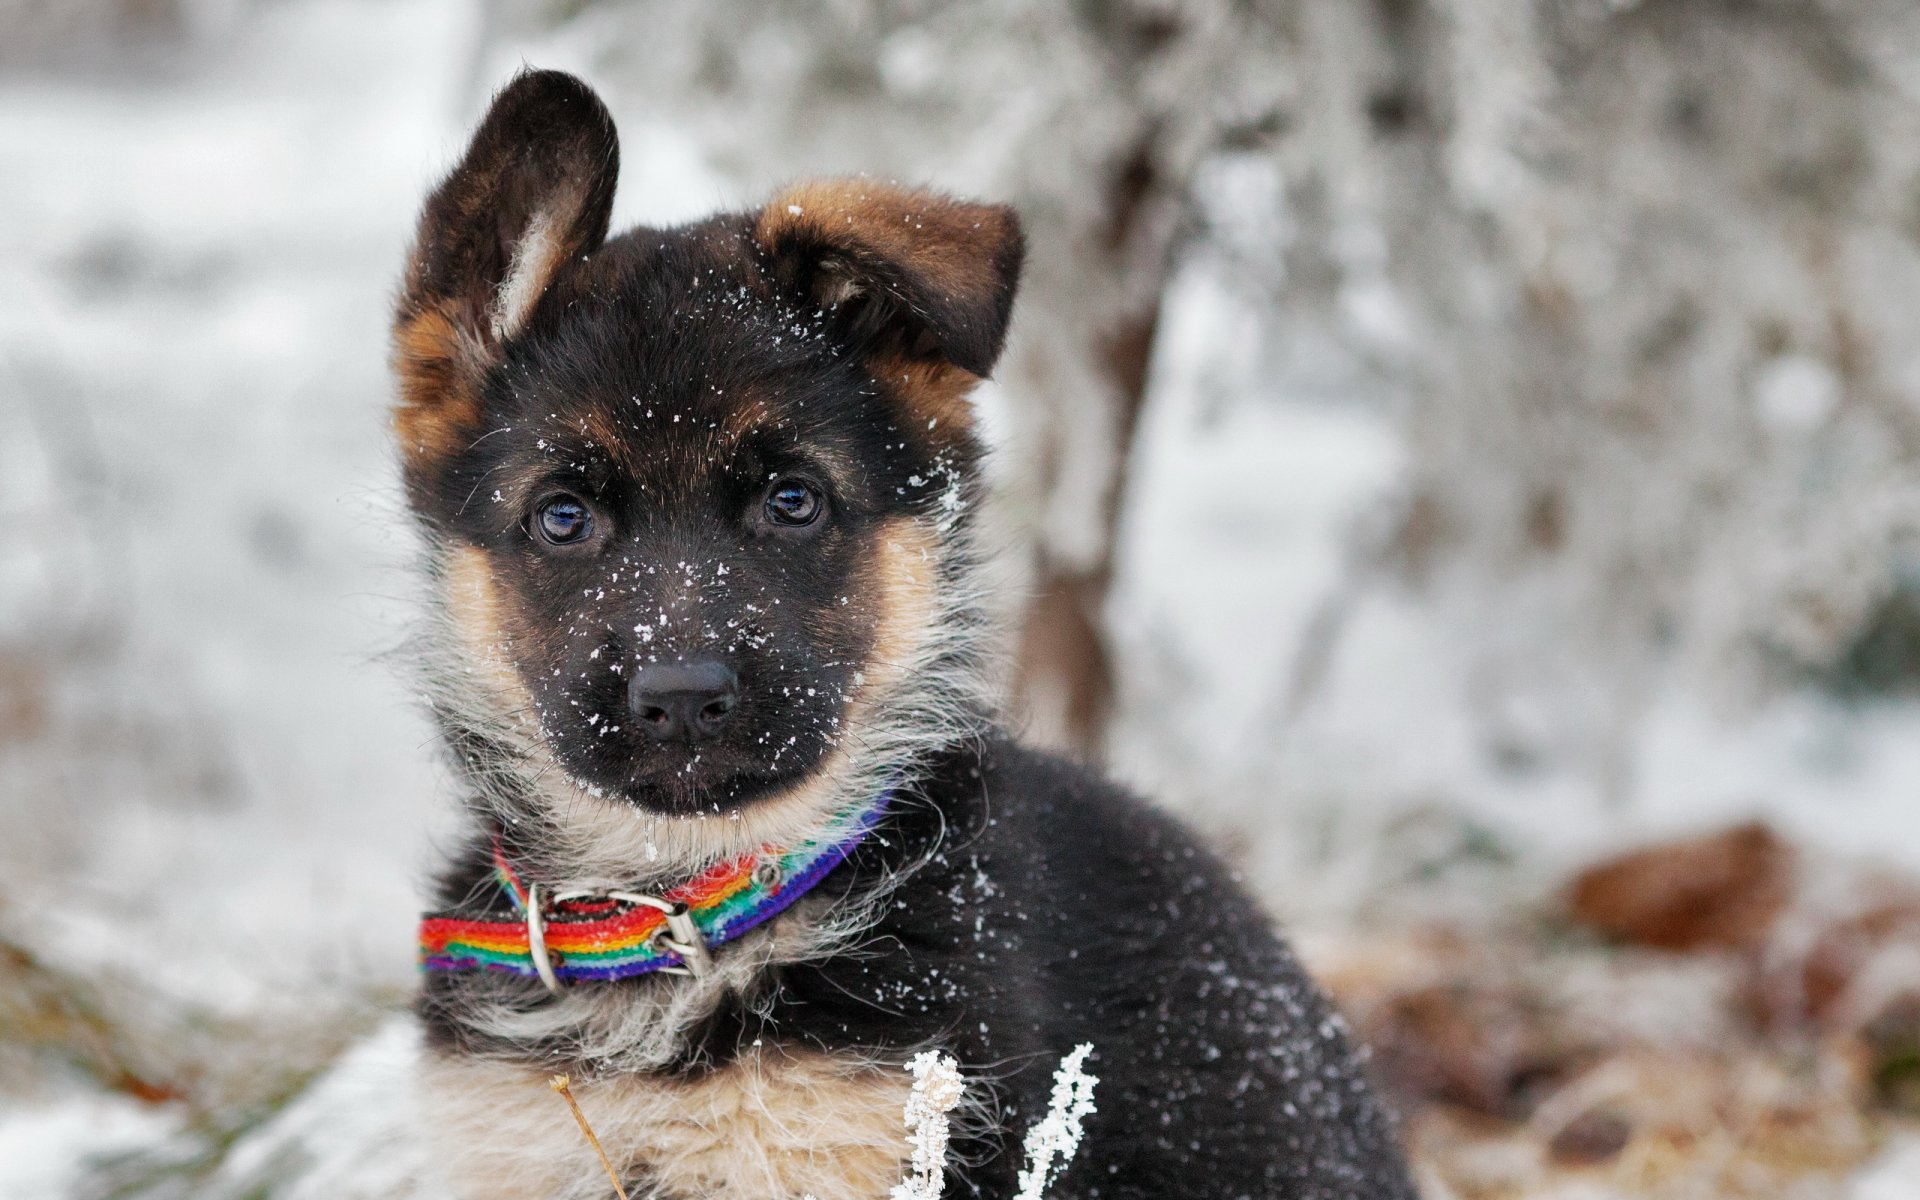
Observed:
{"x":573,"y":936}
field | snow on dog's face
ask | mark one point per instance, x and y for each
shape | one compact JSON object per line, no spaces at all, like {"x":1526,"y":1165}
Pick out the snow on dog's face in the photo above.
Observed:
{"x":690,"y":490}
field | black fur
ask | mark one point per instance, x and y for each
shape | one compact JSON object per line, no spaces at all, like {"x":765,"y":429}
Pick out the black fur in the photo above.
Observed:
{"x":1019,"y":905}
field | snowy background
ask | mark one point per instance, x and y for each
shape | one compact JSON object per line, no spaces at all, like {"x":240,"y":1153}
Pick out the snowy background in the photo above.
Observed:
{"x":1445,"y":443}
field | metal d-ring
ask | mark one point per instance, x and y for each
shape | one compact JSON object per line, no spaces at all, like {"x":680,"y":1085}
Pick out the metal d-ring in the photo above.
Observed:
{"x":767,"y":873}
{"x":680,"y":934}
{"x":662,"y":943}
{"x":537,"y":939}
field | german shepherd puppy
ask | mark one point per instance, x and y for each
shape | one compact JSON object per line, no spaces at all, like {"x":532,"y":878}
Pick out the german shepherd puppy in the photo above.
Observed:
{"x":708,"y":658}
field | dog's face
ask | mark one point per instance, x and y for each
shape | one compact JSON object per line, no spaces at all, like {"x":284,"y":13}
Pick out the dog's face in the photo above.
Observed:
{"x":688,"y":487}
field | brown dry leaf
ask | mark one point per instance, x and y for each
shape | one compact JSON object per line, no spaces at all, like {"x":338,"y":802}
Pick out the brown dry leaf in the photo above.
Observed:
{"x":1480,"y":1050}
{"x":1724,"y":890}
{"x":1590,"y":1139}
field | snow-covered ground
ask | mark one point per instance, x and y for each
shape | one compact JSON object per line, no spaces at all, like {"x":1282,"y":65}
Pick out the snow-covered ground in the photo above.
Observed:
{"x":211,"y":783}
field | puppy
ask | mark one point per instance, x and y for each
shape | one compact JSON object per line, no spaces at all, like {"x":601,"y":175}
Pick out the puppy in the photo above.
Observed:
{"x":707,"y":655}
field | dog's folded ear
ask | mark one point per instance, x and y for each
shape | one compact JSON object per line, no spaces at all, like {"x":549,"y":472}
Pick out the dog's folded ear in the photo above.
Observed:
{"x":910,"y":272}
{"x":533,"y":191}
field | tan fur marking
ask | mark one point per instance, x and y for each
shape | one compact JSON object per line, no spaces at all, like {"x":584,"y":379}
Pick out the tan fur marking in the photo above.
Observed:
{"x":905,"y":574}
{"x":951,"y":264}
{"x":931,"y":390}
{"x":473,"y":608}
{"x":603,"y":430}
{"x":743,"y":419}
{"x":940,"y":237}
{"x":776,"y":1124}
{"x":438,"y":366}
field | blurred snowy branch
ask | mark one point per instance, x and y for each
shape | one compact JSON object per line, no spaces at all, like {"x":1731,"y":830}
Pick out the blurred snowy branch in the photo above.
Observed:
{"x":937,"y":1088}
{"x":1055,"y":1138}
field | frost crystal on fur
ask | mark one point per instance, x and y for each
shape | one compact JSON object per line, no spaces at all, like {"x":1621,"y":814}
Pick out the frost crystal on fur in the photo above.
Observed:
{"x":936,"y":1091}
{"x":1052,"y":1143}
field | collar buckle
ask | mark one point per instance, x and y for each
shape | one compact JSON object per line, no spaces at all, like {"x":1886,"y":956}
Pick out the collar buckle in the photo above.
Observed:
{"x":681,"y":935}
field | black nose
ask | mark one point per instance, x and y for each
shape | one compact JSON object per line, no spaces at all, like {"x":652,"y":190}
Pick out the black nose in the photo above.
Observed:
{"x":683,"y":701}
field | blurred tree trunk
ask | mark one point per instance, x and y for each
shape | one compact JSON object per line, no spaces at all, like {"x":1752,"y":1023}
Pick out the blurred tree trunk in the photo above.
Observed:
{"x":1065,"y":686}
{"x":1065,"y":683}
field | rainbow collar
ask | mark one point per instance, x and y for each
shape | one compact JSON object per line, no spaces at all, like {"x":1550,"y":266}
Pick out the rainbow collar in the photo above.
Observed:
{"x":570,"y":936}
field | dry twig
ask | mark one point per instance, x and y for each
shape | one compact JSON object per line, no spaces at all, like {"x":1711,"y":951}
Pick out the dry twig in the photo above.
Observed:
{"x":563,"y":1085}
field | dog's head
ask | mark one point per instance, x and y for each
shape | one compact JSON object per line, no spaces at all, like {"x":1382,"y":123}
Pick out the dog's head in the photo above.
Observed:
{"x":693,"y":492}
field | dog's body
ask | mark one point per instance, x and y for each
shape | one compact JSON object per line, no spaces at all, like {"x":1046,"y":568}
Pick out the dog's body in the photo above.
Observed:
{"x":698,"y":506}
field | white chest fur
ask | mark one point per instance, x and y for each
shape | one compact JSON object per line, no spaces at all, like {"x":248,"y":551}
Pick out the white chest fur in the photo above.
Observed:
{"x":776,"y":1124}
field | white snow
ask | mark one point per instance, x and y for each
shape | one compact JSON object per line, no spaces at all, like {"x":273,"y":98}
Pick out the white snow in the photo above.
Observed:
{"x":45,"y":1148}
{"x":1894,"y":1174}
{"x":937,"y":1088}
{"x":354,"y":1134}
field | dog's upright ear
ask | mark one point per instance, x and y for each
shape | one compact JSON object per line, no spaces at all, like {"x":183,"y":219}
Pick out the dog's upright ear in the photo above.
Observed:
{"x":533,"y":192}
{"x":913,"y":274}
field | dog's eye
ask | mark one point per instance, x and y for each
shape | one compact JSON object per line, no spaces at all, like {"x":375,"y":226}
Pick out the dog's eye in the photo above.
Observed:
{"x":792,"y":502}
{"x":562,"y":521}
